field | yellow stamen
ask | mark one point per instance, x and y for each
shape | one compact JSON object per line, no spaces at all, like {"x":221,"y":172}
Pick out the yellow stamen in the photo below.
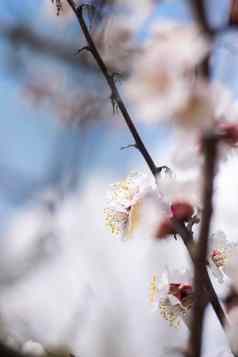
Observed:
{"x":134,"y":220}
{"x":153,"y":290}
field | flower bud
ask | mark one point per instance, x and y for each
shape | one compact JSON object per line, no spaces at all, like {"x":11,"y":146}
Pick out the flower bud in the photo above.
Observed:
{"x":180,"y":291}
{"x":166,"y":228}
{"x":229,"y":133}
{"x":182,"y":210}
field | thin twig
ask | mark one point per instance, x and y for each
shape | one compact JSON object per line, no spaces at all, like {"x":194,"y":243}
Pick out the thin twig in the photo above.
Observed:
{"x":115,"y":96}
{"x":200,"y":274}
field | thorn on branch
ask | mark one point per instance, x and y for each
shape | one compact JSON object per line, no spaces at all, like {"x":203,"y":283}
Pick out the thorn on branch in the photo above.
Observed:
{"x":59,"y":6}
{"x":166,"y":169}
{"x":91,"y":10}
{"x":114,"y":104}
{"x":175,"y":236}
{"x":129,"y":146}
{"x":85,"y":48}
{"x":116,"y":76}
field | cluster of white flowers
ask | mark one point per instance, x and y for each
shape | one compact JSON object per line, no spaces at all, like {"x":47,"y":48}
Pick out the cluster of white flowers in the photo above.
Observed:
{"x":165,"y":83}
{"x":171,"y":291}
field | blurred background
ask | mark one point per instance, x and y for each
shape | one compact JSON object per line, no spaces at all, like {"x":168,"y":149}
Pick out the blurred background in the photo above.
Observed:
{"x":64,"y":280}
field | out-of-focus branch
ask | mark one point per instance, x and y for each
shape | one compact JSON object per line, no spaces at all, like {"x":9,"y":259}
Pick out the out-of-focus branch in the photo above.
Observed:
{"x":199,"y":10}
{"x":200,"y":15}
{"x":233,"y":20}
{"x":7,"y":352}
{"x":210,"y":153}
{"x":22,"y":35}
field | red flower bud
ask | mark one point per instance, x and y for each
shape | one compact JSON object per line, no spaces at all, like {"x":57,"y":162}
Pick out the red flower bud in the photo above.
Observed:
{"x":229,"y":132}
{"x":166,"y":228}
{"x":182,"y":210}
{"x":180,"y":291}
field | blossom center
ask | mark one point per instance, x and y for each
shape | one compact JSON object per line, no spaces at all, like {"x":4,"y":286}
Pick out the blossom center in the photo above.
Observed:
{"x":116,"y":220}
{"x":218,"y":257}
{"x":180,"y":291}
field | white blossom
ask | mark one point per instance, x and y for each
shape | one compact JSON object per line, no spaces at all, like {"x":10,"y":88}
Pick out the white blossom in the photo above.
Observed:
{"x":122,"y":213}
{"x":220,"y":255}
{"x":171,"y":292}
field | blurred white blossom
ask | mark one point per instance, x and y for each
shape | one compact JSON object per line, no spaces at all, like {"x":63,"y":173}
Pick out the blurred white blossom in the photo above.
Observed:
{"x":163,"y":74}
{"x":172,"y":187}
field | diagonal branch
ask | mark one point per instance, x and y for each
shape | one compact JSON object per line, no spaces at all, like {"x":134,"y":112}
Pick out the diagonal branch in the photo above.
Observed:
{"x":115,"y":95}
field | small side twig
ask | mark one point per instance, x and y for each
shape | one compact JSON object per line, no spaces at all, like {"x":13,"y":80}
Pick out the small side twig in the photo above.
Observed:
{"x":84,"y":48}
{"x":134,"y":146}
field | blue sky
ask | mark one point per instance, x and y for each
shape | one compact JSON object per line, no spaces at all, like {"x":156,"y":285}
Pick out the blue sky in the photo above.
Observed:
{"x":30,"y":137}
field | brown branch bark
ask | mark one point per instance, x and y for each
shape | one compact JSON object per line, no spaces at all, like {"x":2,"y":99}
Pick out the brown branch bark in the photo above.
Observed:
{"x":200,"y":275}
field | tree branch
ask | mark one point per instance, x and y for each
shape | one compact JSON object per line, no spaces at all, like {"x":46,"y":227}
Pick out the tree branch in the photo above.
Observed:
{"x":200,"y":275}
{"x":116,"y":98}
